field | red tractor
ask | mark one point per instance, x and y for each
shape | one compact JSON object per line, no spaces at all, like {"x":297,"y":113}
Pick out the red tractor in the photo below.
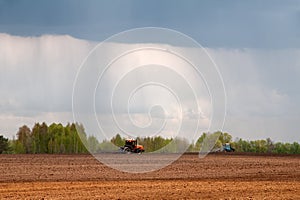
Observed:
{"x":131,"y":146}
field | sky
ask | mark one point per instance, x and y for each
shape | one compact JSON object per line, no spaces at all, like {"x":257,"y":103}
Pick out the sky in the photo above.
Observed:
{"x":255,"y":44}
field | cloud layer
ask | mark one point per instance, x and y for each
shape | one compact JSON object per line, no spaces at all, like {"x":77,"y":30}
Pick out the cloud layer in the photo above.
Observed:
{"x":262,"y":86}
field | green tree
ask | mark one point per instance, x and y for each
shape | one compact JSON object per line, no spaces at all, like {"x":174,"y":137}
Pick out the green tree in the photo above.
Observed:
{"x":191,"y":147}
{"x":200,"y":140}
{"x":57,"y":138}
{"x":50,"y":141}
{"x":44,"y":138}
{"x":3,"y":144}
{"x":17,"y":147}
{"x":224,"y":137}
{"x":107,"y":146}
{"x":117,"y":140}
{"x":280,"y":148}
{"x":211,"y":141}
{"x":242,"y":145}
{"x":24,"y":137}
{"x":60,"y":138}
{"x":36,"y":143}
{"x":158,"y":143}
{"x":81,"y":138}
{"x":68,"y":139}
{"x":147,"y":143}
{"x":295,"y":148}
{"x":93,"y":144}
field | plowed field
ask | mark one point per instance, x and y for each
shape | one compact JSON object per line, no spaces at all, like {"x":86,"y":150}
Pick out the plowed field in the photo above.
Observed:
{"x":217,"y":176}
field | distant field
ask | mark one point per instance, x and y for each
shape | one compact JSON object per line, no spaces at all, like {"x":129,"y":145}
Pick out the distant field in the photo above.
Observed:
{"x":221,"y":176}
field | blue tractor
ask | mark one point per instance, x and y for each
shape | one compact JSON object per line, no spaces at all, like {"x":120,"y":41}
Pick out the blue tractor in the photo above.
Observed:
{"x":228,"y":148}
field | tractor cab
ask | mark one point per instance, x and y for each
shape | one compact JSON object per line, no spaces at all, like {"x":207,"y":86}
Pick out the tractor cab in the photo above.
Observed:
{"x":131,"y":143}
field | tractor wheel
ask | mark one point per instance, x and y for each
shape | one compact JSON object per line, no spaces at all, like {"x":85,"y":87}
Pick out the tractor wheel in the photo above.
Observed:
{"x":139,"y":151}
{"x":127,"y":150}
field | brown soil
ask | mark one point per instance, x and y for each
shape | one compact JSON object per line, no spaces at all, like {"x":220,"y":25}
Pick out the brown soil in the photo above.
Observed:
{"x":216,"y":176}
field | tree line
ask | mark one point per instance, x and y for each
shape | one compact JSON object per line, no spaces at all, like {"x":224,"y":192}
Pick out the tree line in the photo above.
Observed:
{"x":72,"y":139}
{"x":52,"y":139}
{"x":240,"y":145}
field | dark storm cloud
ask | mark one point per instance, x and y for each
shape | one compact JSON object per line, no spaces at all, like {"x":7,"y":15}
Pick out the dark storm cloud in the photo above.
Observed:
{"x":235,"y":24}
